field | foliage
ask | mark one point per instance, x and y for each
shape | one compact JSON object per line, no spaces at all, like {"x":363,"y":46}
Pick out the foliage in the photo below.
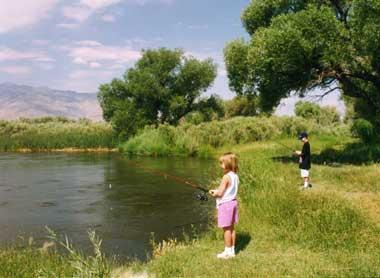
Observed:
{"x":322,"y":115}
{"x":241,"y":106}
{"x":206,"y":109}
{"x":162,"y":87}
{"x":304,"y":44}
{"x":54,"y":133}
{"x":190,"y":139}
{"x":363,"y":129}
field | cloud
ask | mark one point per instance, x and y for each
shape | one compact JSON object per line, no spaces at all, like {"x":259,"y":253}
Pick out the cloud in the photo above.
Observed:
{"x":99,"y":4}
{"x":83,"y":9}
{"x":94,"y":54}
{"x":108,"y":18}
{"x":15,"y":70}
{"x":77,"y":12}
{"x":68,"y":25}
{"x":8,"y":54}
{"x":18,"y":13}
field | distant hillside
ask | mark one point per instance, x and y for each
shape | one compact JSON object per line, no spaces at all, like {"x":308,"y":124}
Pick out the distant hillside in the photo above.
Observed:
{"x":25,"y":101}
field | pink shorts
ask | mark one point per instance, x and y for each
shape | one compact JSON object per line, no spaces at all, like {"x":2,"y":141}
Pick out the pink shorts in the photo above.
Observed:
{"x":227,"y":214}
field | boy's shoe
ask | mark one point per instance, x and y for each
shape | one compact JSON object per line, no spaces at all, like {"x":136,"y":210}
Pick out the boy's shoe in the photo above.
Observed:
{"x":225,"y":255}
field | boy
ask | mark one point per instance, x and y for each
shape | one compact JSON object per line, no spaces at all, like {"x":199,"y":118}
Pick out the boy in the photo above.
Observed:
{"x":304,"y":160}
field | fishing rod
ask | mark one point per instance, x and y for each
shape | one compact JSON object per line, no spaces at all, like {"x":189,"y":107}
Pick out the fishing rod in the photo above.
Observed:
{"x":201,"y":196}
{"x":285,"y":146}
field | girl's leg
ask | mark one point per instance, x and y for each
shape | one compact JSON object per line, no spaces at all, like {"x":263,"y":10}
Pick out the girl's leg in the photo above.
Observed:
{"x":228,"y":236}
{"x":233,"y":235}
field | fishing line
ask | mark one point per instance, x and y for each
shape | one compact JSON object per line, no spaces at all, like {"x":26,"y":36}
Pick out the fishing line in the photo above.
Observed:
{"x":285,"y":146}
{"x":201,"y":196}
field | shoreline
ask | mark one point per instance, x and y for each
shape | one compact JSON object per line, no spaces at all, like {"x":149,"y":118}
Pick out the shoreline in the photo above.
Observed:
{"x":65,"y":150}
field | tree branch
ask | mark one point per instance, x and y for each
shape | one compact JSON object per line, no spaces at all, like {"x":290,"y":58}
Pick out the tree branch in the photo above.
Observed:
{"x":320,"y":97}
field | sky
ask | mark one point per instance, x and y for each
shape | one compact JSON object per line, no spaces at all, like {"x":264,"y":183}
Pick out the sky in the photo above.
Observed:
{"x":79,"y":44}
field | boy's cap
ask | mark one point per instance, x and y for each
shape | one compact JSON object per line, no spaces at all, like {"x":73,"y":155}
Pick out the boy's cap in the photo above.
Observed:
{"x":303,"y":135}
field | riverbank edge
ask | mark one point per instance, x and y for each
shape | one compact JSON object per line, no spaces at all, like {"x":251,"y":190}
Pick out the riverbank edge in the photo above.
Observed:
{"x":65,"y":150}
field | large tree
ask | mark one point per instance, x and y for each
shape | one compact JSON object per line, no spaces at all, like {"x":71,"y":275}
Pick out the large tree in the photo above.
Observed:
{"x":162,"y":87}
{"x":299,"y":45}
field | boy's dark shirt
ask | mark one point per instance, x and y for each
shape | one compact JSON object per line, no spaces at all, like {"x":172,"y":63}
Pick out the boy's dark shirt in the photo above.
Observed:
{"x":306,"y":160}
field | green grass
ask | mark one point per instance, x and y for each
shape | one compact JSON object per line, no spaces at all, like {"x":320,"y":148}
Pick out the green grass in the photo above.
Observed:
{"x":324,"y":232}
{"x":30,"y":262}
{"x":54,"y":133}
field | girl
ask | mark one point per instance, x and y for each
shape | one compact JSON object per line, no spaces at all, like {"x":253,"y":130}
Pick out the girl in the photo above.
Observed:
{"x":226,"y":203}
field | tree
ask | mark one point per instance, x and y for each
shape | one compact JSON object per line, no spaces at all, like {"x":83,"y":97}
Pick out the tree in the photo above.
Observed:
{"x":300,"y":45}
{"x":162,"y":87}
{"x":241,"y":106}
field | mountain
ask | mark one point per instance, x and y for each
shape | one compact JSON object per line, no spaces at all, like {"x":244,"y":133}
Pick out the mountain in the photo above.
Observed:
{"x":26,"y":101}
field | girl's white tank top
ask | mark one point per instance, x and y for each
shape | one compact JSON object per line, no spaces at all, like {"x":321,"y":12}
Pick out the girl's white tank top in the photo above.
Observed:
{"x":231,"y":191}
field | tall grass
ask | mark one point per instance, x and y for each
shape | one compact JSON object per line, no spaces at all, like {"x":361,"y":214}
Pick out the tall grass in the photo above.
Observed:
{"x":54,"y":133}
{"x":57,"y":258}
{"x":189,"y":139}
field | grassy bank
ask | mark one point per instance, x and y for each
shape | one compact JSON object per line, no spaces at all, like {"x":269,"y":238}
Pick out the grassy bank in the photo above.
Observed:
{"x":205,"y":138}
{"x":331,"y":230}
{"x":53,"y":133}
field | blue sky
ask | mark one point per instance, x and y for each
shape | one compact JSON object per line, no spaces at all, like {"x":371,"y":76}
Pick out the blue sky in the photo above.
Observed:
{"x":78,"y":44}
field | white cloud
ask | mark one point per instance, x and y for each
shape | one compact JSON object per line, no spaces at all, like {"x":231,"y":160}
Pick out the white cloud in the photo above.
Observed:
{"x":144,"y":2}
{"x":8,"y":54}
{"x":94,"y":65}
{"x":15,"y":70}
{"x":68,"y":25}
{"x":99,"y":4}
{"x":88,"y":43}
{"x":94,"y":54}
{"x":108,"y":18}
{"x":20,"y":13}
{"x":77,"y":12}
{"x":83,"y":9}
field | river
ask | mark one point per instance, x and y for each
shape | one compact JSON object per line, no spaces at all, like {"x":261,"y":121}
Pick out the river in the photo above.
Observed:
{"x":124,"y":203}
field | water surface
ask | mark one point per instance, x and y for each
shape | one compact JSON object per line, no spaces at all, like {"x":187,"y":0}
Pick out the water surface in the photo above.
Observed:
{"x":124,"y":203}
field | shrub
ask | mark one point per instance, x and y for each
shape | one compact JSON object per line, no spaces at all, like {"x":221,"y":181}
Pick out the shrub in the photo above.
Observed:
{"x":363,"y":129}
{"x":191,"y":139}
{"x":54,"y":133}
{"x":322,"y":115}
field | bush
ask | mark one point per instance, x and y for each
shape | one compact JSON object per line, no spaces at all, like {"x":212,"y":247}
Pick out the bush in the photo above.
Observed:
{"x":241,"y":106}
{"x":54,"y":133}
{"x":191,"y":139}
{"x":363,"y":129}
{"x":322,"y":115}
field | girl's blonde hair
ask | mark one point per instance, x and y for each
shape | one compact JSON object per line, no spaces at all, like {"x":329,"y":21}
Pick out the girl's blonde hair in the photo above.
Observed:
{"x":230,"y":162}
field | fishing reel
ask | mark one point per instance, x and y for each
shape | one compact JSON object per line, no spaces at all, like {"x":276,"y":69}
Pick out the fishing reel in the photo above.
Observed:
{"x":202,"y":196}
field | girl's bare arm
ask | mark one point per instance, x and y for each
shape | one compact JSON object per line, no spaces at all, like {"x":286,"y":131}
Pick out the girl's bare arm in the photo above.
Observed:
{"x":222,"y":187}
